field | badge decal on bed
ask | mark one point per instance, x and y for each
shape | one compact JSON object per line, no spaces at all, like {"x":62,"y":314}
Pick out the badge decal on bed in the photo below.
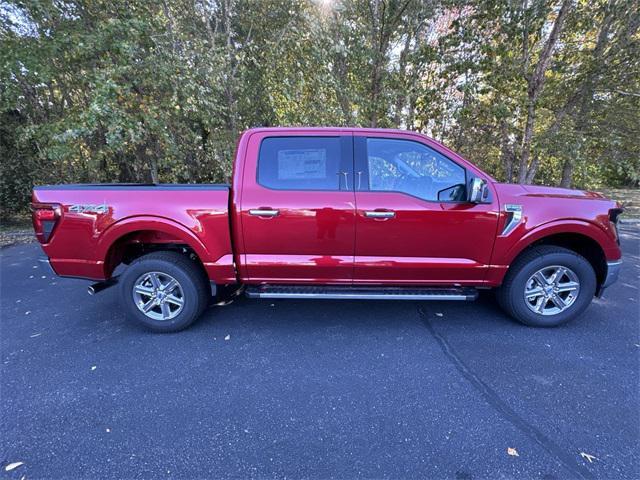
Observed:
{"x":89,"y":208}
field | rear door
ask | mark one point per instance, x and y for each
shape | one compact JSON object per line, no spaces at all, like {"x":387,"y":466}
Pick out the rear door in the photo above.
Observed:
{"x":413,"y":224}
{"x":298,"y":208}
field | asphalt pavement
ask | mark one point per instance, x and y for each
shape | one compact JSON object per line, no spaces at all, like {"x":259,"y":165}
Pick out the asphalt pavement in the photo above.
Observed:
{"x":315,"y":389}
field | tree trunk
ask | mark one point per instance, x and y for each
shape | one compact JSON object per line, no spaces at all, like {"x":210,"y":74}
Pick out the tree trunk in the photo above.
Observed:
{"x":142,"y":158}
{"x":376,"y":40}
{"x":340,"y":72}
{"x":536,"y":83}
{"x":401,"y":96}
{"x":585,"y":94}
{"x":523,"y":167}
{"x":506,"y":153}
{"x":532,"y":169}
{"x":126,"y":173}
{"x":232,"y":119}
{"x":383,"y":23}
{"x":567,"y":173}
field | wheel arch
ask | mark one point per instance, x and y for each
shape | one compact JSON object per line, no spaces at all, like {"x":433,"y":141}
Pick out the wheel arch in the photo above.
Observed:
{"x":580,"y":237}
{"x":134,"y":236}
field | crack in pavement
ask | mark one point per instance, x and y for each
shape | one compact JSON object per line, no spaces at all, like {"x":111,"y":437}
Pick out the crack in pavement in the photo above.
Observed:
{"x":493,"y":399}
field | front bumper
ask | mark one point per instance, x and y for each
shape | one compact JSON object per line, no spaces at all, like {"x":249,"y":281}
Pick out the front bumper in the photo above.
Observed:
{"x":613,"y":271}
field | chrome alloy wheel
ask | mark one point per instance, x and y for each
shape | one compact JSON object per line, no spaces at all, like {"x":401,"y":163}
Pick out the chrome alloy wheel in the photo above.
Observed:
{"x":551,"y":290}
{"x":158,"y":295}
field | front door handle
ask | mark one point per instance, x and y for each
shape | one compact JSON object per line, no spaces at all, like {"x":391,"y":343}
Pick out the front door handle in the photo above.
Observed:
{"x":379,"y":214}
{"x":264,"y":212}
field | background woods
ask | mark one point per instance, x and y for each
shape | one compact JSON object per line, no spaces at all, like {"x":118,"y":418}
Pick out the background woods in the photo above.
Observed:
{"x":157,"y":91}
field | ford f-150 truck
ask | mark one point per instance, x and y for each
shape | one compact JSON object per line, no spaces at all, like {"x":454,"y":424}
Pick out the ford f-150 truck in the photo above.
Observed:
{"x":337,"y":213}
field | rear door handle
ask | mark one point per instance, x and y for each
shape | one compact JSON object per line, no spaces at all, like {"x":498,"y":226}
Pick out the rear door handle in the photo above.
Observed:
{"x":379,"y":214}
{"x":264,"y":212}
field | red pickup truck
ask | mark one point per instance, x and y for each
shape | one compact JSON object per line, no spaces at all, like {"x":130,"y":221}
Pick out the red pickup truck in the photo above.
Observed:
{"x":337,"y":213}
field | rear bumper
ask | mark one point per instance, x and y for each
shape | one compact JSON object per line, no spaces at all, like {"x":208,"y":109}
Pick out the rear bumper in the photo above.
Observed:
{"x":613,"y":271}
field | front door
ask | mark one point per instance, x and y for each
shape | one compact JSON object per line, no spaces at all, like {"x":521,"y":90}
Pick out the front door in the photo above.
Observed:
{"x":298,"y":209}
{"x":413,"y":224}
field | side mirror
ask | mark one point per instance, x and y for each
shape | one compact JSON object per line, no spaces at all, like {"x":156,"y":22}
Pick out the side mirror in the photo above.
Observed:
{"x":478,"y":191}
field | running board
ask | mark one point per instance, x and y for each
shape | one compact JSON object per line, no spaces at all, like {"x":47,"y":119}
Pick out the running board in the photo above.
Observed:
{"x":360,"y":293}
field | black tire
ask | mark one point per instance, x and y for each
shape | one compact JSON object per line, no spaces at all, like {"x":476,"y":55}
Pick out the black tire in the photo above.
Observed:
{"x":511,"y":294}
{"x":192,"y":280}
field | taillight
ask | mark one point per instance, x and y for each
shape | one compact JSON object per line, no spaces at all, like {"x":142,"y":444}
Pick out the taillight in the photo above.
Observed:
{"x":45,"y":216}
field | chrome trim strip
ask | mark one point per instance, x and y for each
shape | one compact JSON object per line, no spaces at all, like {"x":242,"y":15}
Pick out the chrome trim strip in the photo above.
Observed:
{"x":613,"y":271}
{"x":516,"y":218}
{"x":358,"y":296}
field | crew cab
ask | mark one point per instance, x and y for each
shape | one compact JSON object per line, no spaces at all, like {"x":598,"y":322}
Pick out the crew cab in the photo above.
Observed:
{"x":335,"y":213}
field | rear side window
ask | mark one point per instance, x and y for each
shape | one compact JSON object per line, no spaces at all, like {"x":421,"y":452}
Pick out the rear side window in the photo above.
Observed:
{"x":300,"y":163}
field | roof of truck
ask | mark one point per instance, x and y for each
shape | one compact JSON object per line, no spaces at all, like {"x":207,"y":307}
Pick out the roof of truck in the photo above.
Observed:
{"x":333,"y":129}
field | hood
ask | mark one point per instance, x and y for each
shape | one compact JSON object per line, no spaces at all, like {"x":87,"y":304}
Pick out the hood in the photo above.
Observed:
{"x":556,"y":192}
{"x":510,"y":189}
{"x":545,"y":204}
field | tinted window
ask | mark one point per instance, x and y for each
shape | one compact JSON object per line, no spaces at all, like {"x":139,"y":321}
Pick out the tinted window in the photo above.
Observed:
{"x":415,"y":169}
{"x":300,"y":163}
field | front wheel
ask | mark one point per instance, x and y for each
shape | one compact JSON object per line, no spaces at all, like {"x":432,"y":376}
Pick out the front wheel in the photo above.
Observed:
{"x":547,"y":286}
{"x":164,"y":291}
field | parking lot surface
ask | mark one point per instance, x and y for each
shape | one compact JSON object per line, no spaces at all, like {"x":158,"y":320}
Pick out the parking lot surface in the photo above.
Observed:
{"x":315,"y":389}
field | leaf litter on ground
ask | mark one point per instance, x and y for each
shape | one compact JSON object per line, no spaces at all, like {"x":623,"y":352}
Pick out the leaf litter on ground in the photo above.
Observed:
{"x":13,"y":466}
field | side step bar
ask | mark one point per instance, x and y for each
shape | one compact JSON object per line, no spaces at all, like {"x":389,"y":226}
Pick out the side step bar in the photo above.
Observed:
{"x":360,"y":293}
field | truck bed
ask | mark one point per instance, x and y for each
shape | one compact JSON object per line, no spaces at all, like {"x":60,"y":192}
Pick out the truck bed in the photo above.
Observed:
{"x":98,"y":220}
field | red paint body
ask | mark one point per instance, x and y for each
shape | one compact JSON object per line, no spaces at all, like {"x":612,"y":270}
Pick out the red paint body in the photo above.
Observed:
{"x":318,"y":237}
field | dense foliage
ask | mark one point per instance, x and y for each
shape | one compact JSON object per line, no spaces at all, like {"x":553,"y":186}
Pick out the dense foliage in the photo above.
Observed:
{"x":158,"y":90}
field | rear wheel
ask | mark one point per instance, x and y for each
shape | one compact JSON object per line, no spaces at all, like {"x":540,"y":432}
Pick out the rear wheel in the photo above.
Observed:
{"x":164,"y":291}
{"x":547,"y":286}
